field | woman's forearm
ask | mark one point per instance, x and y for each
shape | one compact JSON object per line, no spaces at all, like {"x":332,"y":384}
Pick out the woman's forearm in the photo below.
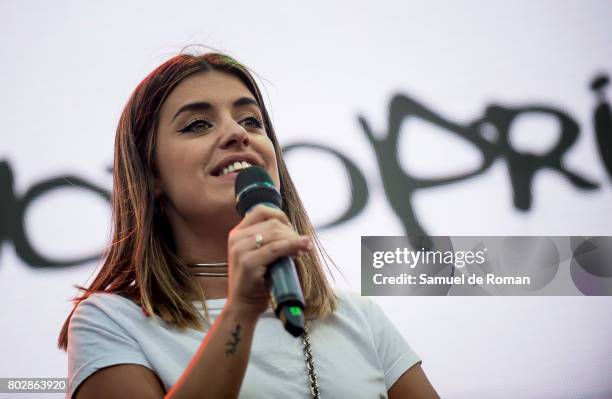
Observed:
{"x":218,"y":367}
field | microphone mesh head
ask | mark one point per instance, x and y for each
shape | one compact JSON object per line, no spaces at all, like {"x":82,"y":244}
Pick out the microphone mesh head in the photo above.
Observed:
{"x":251,"y":175}
{"x":255,"y":186}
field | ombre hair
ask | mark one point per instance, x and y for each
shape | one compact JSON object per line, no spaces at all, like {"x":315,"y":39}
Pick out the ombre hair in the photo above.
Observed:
{"x":141,"y":261}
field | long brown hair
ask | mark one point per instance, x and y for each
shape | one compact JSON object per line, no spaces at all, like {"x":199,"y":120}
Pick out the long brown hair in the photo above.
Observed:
{"x":141,"y":262}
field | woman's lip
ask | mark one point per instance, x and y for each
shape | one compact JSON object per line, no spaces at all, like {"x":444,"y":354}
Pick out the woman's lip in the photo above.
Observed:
{"x":228,"y":176}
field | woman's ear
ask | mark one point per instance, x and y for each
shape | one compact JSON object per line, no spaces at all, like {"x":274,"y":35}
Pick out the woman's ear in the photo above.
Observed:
{"x":157,"y":189}
{"x":158,"y":194}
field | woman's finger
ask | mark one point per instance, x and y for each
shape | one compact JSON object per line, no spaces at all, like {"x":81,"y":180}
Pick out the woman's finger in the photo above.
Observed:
{"x":268,"y":253}
{"x":270,"y":229}
{"x":261,"y":212}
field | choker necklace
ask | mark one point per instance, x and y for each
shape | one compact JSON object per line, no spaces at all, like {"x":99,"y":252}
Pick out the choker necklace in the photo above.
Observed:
{"x":208,"y":274}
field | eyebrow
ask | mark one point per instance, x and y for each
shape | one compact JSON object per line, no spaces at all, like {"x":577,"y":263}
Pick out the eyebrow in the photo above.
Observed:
{"x":203,"y":106}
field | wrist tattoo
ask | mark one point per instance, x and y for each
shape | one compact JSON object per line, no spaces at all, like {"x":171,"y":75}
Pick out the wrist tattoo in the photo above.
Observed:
{"x":232,"y":343}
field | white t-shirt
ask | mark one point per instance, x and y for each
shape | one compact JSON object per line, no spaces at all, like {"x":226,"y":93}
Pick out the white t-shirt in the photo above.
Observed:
{"x":357,"y":352}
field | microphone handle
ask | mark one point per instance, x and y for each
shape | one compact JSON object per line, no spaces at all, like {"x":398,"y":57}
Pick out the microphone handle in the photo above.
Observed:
{"x":286,"y":294}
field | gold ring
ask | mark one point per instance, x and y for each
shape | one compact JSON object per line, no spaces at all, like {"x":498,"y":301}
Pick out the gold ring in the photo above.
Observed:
{"x":258,"y":240}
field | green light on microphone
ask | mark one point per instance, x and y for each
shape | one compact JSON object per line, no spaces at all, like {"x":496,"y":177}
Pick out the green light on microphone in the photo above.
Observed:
{"x":295,"y":310}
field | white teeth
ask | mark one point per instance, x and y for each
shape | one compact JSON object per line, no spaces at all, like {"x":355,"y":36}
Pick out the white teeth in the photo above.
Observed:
{"x":235,"y":167}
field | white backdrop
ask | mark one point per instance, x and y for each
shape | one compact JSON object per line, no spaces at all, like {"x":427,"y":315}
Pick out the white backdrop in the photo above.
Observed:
{"x":69,"y":67}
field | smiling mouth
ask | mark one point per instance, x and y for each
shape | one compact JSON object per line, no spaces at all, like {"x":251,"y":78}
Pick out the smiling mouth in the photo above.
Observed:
{"x":232,"y":169}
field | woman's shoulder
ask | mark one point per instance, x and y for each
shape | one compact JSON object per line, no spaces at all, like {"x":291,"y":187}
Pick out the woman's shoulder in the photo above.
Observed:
{"x":352,"y":303}
{"x":349,"y":297}
{"x":102,"y":298}
{"x":107,"y":305}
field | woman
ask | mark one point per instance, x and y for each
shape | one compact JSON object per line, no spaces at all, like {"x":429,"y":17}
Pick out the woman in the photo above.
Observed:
{"x":153,"y":324}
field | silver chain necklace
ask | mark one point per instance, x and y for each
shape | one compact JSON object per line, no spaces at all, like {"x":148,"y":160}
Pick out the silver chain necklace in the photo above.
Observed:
{"x":310,"y":367}
{"x":308,"y":356}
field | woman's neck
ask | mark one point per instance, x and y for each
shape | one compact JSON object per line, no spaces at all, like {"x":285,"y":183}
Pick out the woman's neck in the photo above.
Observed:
{"x":197,"y":244}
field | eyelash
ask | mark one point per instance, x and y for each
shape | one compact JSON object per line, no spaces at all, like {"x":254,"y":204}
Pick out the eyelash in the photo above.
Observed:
{"x":189,"y":128}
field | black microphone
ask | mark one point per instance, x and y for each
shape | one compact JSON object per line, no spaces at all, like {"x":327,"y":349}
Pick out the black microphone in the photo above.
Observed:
{"x":255,"y":186}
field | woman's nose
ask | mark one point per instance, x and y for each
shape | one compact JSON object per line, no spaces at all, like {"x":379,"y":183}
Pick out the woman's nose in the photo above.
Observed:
{"x":235,"y":135}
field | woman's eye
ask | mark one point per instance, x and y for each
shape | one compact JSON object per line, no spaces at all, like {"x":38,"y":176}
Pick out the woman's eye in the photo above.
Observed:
{"x":195,"y":126}
{"x":253,"y":122}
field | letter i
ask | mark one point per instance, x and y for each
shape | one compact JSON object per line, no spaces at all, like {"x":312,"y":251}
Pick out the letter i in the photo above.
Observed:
{"x":603,"y":122}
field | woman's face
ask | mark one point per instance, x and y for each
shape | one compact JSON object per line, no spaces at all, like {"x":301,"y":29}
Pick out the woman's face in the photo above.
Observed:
{"x":209,"y":124}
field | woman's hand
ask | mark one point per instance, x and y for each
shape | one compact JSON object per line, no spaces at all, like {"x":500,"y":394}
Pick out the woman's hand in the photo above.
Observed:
{"x":248,"y":293}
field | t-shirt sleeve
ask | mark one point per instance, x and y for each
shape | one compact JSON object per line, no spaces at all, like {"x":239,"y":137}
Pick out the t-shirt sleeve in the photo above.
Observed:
{"x":96,"y":340}
{"x":395,"y":354}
